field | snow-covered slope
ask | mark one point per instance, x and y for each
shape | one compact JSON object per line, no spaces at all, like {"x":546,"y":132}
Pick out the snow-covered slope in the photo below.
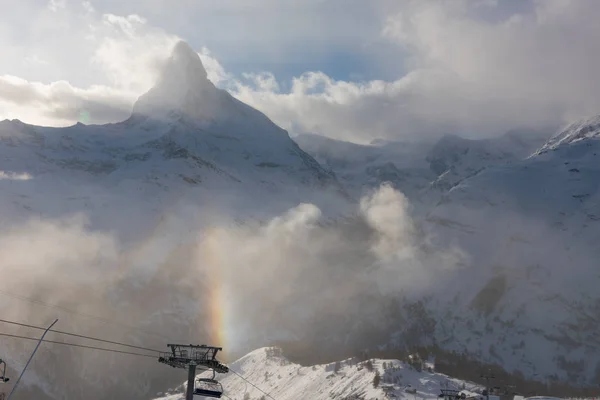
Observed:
{"x":349,"y":379}
{"x":580,"y":130}
{"x":422,"y":171}
{"x":185,"y":138}
{"x":454,"y":158}
{"x":364,"y":167}
{"x":531,"y":228}
{"x":190,"y":156}
{"x":184,"y":117}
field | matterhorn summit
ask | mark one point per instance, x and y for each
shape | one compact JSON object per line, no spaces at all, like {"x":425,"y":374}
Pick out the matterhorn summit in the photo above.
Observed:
{"x":183,"y":93}
{"x":185,"y":110}
{"x":184,"y":135}
{"x":183,"y":89}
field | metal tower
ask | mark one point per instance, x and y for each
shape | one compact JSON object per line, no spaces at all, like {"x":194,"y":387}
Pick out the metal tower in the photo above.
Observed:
{"x":191,"y":356}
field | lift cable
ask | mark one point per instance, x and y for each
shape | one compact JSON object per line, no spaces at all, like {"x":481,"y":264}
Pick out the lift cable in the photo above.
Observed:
{"x":252,"y":384}
{"x":105,"y":320}
{"x":80,"y":336}
{"x":78,"y":345}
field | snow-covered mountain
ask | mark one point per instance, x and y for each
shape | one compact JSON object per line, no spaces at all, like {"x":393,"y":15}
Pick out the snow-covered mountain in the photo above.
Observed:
{"x":526,"y":213}
{"x":423,"y":171}
{"x":184,"y":135}
{"x":453,"y":158}
{"x":364,"y":167}
{"x":585,"y":129}
{"x":350,"y":379}
{"x":189,"y":156}
{"x":531,"y":302}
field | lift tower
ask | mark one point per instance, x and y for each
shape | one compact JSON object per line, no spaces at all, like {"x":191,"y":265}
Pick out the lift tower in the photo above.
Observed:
{"x":191,"y":356}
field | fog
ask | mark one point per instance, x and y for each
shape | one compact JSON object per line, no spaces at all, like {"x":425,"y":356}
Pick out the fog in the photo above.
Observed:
{"x":288,"y":277}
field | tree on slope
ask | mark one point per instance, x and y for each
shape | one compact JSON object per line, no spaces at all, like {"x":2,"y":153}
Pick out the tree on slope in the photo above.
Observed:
{"x":376,"y":379}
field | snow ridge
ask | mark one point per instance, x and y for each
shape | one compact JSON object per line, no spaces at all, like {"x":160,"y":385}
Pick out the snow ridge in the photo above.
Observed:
{"x":349,"y":379}
{"x":577,"y":131}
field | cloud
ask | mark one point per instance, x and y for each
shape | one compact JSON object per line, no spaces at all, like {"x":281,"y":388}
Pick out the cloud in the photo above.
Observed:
{"x":61,"y":104}
{"x":128,"y":44}
{"x":476,"y":68}
{"x":15,"y":176}
{"x":521,"y":67}
{"x":289,"y":275}
{"x":467,"y":75}
{"x":109,"y":47}
{"x":55,"y":5}
{"x":215,"y":71}
{"x":65,"y":269}
{"x":296,"y":269}
{"x":40,"y":242}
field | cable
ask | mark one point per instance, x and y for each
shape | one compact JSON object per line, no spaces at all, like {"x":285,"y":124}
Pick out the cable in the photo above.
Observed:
{"x":256,"y":387}
{"x":105,"y":320}
{"x":77,"y":345}
{"x":80,"y":336}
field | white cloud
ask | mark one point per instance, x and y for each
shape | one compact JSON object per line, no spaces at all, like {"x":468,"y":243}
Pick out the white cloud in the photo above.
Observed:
{"x":55,"y":5}
{"x":15,"y":176}
{"x":461,"y":72}
{"x":61,"y":104}
{"x":129,"y":51}
{"x":272,"y":277}
{"x":34,"y":60}
{"x":215,"y":71}
{"x":297,"y":268}
{"x":27,"y":246}
{"x":467,"y":75}
{"x":88,"y":7}
{"x":122,"y":51}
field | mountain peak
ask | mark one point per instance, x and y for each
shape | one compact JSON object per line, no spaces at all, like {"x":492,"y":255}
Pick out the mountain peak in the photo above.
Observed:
{"x":182,"y":89}
{"x":184,"y":63}
{"x":584,"y":129}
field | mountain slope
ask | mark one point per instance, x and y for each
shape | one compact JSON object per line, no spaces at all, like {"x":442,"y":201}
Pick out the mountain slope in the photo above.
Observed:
{"x":580,"y":130}
{"x":454,"y":158}
{"x":183,"y":135}
{"x":422,"y":171}
{"x":531,"y":294}
{"x":351,"y":380}
{"x":364,"y":167}
{"x":147,"y":189}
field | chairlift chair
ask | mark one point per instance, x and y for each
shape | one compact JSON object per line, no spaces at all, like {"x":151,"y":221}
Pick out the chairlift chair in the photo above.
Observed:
{"x":208,"y":387}
{"x":3,"y":377}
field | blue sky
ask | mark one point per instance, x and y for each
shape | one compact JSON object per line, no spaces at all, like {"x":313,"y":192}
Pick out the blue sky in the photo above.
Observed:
{"x":341,"y":38}
{"x":349,"y":69}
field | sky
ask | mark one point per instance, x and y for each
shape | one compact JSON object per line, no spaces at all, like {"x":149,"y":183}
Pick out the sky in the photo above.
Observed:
{"x":354,"y":70}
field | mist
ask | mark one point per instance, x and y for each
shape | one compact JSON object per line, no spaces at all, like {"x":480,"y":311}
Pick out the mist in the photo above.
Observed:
{"x":287,"y":277}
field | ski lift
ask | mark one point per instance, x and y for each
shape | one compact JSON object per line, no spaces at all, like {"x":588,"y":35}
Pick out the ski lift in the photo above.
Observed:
{"x":3,"y":377}
{"x":208,"y":387}
{"x":450,"y":394}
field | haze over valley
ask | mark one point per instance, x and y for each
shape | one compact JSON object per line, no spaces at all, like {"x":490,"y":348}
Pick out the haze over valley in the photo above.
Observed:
{"x":439,"y":211}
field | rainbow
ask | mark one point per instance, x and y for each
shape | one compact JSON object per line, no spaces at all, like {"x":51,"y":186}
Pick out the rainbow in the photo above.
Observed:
{"x":216,"y":296}
{"x":214,"y":317}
